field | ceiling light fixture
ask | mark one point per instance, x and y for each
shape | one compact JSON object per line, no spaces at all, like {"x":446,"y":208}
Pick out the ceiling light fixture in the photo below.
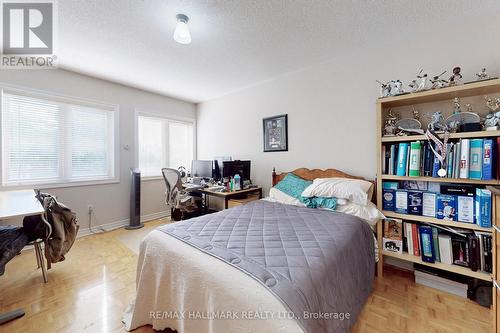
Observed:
{"x":181,"y":34}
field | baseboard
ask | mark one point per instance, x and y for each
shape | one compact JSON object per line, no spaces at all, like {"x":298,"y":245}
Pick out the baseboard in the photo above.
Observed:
{"x":121,"y":223}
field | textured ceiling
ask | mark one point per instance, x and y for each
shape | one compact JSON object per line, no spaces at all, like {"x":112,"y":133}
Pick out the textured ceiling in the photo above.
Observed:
{"x":236,"y":43}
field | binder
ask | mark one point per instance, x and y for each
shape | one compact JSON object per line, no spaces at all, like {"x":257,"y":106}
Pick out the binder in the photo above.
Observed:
{"x":427,"y":244}
{"x":483,"y":207}
{"x":415,"y":152}
{"x":449,"y":160}
{"x":409,"y":237}
{"x":402,"y":159}
{"x":391,"y":160}
{"x":488,"y":159}
{"x":435,"y":166}
{"x":464,"y":158}
{"x":435,"y":241}
{"x":445,"y":251}
{"x":476,"y":159}
{"x":428,"y":160}
{"x":457,"y":151}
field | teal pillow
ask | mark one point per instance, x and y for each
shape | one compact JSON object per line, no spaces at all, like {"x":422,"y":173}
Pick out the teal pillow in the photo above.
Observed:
{"x":293,"y":185}
{"x":320,"y":202}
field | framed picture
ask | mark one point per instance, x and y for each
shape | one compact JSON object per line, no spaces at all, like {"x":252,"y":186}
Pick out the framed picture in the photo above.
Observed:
{"x":275,"y":133}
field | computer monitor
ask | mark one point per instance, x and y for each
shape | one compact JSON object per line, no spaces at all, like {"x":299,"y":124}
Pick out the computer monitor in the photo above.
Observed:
{"x":231,"y":168}
{"x":202,"y":169}
{"x":218,"y":160}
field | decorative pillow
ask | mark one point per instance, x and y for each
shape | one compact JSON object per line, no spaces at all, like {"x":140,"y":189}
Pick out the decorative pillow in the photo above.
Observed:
{"x":368,"y":212}
{"x":316,"y":202}
{"x":293,"y":185}
{"x":276,"y":195}
{"x":354,"y":190}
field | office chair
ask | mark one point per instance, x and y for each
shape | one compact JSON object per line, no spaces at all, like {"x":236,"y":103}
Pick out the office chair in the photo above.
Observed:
{"x":182,"y":205}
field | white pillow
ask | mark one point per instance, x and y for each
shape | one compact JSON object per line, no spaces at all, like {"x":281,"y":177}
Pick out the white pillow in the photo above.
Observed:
{"x":355,"y":190}
{"x":368,"y":212}
{"x":342,"y":202}
{"x":276,"y":195}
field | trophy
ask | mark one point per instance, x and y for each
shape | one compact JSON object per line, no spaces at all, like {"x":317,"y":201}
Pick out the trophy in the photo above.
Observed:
{"x":385,"y":89}
{"x":437,"y":82}
{"x":437,"y":122}
{"x":456,"y":77}
{"x":410,"y":125}
{"x":464,"y":121}
{"x":390,"y":124}
{"x":397,"y":88}
{"x":482,"y":75}
{"x":493,"y":118}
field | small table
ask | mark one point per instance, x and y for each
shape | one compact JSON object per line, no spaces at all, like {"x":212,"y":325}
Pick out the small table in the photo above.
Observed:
{"x":17,"y":204}
{"x":231,"y":195}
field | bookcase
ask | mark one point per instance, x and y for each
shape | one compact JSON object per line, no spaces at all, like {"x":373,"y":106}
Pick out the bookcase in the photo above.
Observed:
{"x":427,"y":102}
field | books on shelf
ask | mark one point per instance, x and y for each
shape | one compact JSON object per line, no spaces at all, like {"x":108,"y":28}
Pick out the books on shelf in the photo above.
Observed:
{"x":466,"y":159}
{"x":466,"y":248}
{"x":453,"y":202}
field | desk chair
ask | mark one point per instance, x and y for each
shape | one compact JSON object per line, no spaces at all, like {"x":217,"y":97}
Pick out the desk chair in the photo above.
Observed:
{"x":182,"y":205}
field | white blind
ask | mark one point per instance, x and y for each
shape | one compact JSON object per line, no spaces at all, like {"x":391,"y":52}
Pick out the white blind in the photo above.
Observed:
{"x":164,"y":143}
{"x":51,"y":141}
{"x":180,"y":145}
{"x":152,"y":157}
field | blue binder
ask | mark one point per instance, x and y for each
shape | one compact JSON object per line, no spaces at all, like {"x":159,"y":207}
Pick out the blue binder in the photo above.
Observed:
{"x":489,"y":157}
{"x":402,"y":159}
{"x":435,"y":166}
{"x":427,"y":244}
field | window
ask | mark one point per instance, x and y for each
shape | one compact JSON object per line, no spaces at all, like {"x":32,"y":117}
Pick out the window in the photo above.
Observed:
{"x":163,"y":143}
{"x":48,"y":140}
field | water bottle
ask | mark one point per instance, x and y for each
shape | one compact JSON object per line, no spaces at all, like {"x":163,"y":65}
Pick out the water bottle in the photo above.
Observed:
{"x":237,"y":182}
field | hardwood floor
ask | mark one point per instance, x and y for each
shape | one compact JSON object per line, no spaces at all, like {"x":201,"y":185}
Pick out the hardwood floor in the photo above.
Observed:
{"x":89,"y":291}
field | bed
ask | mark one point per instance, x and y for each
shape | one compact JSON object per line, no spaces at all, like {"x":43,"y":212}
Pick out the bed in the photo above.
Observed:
{"x":262,"y":267}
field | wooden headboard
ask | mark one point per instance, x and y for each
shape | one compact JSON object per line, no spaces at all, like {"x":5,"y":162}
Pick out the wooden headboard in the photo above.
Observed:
{"x":318,"y":173}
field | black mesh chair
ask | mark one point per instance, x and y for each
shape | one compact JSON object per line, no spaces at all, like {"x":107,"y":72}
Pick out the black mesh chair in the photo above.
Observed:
{"x":182,"y":205}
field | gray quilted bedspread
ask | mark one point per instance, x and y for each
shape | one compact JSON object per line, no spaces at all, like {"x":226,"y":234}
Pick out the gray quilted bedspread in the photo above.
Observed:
{"x":319,"y":263}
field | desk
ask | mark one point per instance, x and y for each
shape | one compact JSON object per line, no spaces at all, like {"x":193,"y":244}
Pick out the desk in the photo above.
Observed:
{"x":226,"y":196}
{"x":17,"y":204}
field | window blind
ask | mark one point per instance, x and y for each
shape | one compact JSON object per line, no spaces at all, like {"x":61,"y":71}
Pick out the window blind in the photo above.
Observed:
{"x":51,"y":141}
{"x":164,"y":143}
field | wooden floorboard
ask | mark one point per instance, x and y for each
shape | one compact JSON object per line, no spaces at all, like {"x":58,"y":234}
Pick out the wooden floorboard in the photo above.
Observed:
{"x":89,"y":291}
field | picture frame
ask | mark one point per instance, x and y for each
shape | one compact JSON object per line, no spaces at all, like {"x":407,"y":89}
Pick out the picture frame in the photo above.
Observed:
{"x":275,"y":133}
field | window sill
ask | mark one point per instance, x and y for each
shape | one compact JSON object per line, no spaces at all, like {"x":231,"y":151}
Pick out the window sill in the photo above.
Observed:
{"x":46,"y":186}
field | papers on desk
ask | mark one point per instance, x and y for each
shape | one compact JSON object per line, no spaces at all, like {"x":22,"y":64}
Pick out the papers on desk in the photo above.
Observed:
{"x":217,"y":188}
{"x":191,"y":186}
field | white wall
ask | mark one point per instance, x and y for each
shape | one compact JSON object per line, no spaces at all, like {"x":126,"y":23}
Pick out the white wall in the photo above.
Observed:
{"x":111,"y":201}
{"x":331,"y":106}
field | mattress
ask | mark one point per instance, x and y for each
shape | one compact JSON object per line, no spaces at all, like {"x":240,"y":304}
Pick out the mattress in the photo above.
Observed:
{"x":320,"y":264}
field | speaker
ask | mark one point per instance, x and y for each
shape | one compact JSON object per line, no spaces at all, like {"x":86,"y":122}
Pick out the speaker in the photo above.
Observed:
{"x":135,"y":201}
